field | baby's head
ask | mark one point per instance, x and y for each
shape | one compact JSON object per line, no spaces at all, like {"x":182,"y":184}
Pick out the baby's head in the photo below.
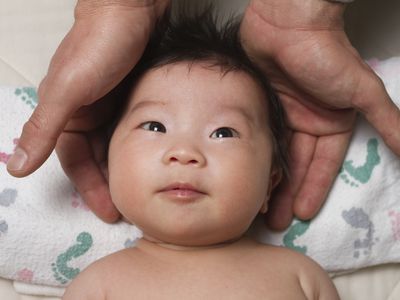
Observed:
{"x":199,"y":146}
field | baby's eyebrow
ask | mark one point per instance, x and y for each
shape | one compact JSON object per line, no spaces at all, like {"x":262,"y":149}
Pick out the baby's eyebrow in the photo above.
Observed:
{"x":239,"y":110}
{"x":223,"y":108}
{"x":145,"y":103}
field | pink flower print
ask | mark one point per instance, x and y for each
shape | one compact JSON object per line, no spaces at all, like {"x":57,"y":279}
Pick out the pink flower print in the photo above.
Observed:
{"x":25,"y":275}
{"x":4,"y":157}
{"x":395,"y":222}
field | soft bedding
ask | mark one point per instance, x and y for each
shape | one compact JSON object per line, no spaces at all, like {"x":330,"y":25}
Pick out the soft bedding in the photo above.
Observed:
{"x":358,"y":227}
{"x":364,"y":238}
{"x":47,"y":234}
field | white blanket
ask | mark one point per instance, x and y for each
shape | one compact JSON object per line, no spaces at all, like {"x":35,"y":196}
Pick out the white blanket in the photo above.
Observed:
{"x":47,"y":234}
{"x":359,"y":225}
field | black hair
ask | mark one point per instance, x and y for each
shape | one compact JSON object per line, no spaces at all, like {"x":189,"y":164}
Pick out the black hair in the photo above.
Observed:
{"x":194,"y":36}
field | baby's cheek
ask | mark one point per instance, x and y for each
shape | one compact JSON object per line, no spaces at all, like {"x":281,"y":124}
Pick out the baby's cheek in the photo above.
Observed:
{"x":123,"y":196}
{"x":119,"y":182}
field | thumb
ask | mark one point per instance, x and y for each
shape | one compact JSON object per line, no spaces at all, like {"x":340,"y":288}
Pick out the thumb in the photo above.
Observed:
{"x":38,"y":138}
{"x":373,"y":101}
{"x":105,"y":42}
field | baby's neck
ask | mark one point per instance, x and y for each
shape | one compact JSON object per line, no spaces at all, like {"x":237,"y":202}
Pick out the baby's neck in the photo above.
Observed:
{"x":173,"y":254}
{"x":150,"y":243}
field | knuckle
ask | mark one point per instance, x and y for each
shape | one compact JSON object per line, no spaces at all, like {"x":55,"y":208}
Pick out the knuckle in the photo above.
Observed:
{"x":370,"y":84}
{"x":38,"y":121}
{"x":39,"y":125}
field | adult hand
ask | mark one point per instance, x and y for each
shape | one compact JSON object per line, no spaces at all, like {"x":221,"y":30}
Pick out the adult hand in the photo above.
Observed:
{"x":104,"y":44}
{"x":322,"y":82}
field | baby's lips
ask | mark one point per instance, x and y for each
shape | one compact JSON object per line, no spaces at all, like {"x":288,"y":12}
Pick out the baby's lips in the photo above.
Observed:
{"x":181,"y":186}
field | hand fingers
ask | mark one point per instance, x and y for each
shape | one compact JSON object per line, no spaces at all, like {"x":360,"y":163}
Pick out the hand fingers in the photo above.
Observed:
{"x":78,"y":162}
{"x":103,"y":111}
{"x":301,"y":150}
{"x":40,"y":133}
{"x":99,"y":142}
{"x":104,"y":44}
{"x":322,"y":172}
{"x":374,"y":102}
{"x":306,"y":116}
{"x":280,"y":209}
{"x":38,"y":138}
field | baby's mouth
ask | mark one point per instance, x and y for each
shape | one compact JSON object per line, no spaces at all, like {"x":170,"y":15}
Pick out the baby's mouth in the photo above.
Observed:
{"x":182,"y":192}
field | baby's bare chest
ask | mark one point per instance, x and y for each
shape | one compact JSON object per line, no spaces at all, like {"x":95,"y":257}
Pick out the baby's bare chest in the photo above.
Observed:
{"x":208,"y":280}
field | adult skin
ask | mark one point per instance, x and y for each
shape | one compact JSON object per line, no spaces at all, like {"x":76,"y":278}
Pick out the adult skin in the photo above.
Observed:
{"x":103,"y":45}
{"x":301,"y":46}
{"x":322,"y":82}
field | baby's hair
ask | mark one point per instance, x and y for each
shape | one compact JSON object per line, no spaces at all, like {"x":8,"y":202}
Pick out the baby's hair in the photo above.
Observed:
{"x":195,"y":36}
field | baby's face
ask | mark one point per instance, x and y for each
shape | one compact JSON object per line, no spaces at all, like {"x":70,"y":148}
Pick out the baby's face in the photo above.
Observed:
{"x":190,"y":161}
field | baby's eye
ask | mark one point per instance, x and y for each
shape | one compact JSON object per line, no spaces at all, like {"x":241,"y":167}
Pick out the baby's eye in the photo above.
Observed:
{"x":224,"y":132}
{"x":153,"y":126}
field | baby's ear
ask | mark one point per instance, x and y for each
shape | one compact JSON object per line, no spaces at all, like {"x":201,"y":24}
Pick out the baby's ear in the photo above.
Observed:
{"x":274,"y":179}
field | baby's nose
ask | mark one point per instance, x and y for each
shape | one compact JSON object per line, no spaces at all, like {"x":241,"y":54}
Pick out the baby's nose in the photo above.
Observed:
{"x":184,"y":155}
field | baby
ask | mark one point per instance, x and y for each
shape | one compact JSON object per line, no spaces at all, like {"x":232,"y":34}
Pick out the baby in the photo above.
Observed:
{"x":192,"y":161}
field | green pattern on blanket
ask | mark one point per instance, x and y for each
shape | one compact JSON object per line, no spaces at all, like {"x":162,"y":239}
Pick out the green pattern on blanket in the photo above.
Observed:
{"x":296,"y":230}
{"x":62,"y":272}
{"x":362,"y":174}
{"x":28,"y":95}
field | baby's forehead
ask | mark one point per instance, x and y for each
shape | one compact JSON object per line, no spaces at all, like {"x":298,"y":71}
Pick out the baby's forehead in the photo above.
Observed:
{"x":198,"y":68}
{"x":194,"y":78}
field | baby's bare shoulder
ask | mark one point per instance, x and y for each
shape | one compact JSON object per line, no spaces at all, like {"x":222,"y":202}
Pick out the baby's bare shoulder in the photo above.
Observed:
{"x":99,"y":279}
{"x":276,"y":253}
{"x":87,"y":285}
{"x":267,"y":259}
{"x":313,"y":280}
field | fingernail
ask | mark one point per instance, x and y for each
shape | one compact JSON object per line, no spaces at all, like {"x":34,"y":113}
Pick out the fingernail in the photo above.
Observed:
{"x":17,"y":160}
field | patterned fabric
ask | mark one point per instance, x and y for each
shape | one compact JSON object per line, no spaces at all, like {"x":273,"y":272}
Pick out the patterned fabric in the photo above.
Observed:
{"x":359,"y":224}
{"x":47,"y":234}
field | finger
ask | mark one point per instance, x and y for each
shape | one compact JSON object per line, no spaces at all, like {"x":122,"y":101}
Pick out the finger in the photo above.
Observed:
{"x":301,"y":151}
{"x":305,"y":116}
{"x":90,"y":117}
{"x":38,"y":138}
{"x":99,"y":144}
{"x":77,"y":160}
{"x":280,"y":209}
{"x":105,"y":42}
{"x":375,"y":103}
{"x":56,"y":109}
{"x":322,"y":172}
